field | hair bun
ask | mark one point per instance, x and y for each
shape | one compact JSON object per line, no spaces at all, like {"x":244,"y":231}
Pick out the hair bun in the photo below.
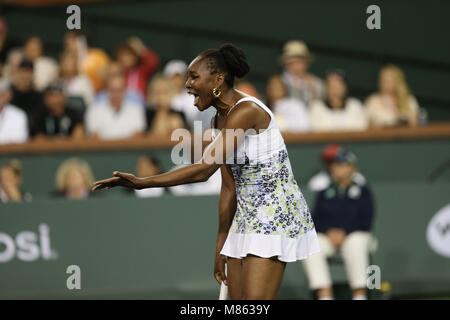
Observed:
{"x":235,"y":60}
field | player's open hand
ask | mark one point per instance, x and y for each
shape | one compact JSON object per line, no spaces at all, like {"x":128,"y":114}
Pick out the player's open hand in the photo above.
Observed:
{"x":119,"y":179}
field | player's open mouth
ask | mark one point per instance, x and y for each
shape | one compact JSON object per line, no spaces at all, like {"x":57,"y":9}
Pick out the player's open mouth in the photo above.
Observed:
{"x":196,"y":98}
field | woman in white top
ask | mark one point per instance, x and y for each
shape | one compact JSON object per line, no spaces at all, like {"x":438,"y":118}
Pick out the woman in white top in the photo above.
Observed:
{"x":290,"y":113}
{"x":45,"y":68}
{"x":264,"y":220}
{"x":393,"y":104}
{"x":338,"y":112}
{"x":75,"y":84}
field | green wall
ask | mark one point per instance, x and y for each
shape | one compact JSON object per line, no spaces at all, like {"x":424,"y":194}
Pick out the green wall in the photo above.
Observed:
{"x":164,"y":247}
{"x":381,"y":161}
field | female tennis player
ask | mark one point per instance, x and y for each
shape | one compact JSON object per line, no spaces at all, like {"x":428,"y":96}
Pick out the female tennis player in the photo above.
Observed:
{"x":264,"y":220}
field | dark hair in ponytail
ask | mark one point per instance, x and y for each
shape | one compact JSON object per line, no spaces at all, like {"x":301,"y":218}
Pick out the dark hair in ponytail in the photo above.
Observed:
{"x":228,"y":59}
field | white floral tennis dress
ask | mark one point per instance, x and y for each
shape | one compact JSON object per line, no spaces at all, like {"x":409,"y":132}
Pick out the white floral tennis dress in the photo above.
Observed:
{"x":272,"y":217}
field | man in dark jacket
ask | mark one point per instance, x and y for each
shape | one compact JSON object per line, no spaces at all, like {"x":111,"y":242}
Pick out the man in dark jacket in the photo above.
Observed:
{"x":54,"y":119}
{"x":342,"y":215}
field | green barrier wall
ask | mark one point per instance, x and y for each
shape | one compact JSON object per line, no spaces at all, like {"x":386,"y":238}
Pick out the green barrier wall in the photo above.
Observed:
{"x":164,"y":247}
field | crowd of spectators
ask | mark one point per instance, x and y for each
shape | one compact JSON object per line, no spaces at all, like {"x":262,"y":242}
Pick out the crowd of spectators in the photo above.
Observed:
{"x":89,"y":93}
{"x":327,"y":105}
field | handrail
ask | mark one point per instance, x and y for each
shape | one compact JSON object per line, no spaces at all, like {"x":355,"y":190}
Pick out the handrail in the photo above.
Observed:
{"x":439,"y":130}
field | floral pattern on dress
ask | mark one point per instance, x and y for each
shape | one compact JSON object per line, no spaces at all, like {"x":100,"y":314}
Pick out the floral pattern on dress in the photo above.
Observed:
{"x":269,"y":201}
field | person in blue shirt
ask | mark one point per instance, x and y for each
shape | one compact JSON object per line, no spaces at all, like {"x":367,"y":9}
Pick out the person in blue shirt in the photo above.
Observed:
{"x":343,"y":215}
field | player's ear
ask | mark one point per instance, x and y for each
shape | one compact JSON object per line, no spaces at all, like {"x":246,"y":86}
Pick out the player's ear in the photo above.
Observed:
{"x":220,"y":78}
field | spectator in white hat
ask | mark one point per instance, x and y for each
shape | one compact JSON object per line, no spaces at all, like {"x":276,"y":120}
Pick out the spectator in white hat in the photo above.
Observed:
{"x":301,"y":84}
{"x":13,"y":121}
{"x":175,"y":70}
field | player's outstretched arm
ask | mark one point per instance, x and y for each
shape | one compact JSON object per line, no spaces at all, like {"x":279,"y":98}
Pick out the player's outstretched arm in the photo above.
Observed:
{"x":240,"y":119}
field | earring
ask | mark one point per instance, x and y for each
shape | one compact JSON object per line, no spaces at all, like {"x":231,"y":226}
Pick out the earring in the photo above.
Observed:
{"x":217,"y":92}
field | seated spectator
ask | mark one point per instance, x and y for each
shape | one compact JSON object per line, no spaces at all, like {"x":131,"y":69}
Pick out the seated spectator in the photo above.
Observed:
{"x":139,"y":63}
{"x":55,"y":119}
{"x":290,"y":113}
{"x":11,"y":179}
{"x":301,"y":84}
{"x":393,"y":104}
{"x":175,"y":71}
{"x":75,"y":84}
{"x":342,"y":215}
{"x":11,"y":65}
{"x":13,"y":121}
{"x":45,"y":68}
{"x":338,"y":112}
{"x":24,"y":94}
{"x":161,"y":119}
{"x":92,"y":62}
{"x":115,"y":118}
{"x":131,"y":96}
{"x":146,"y":166}
{"x":74,"y":179}
{"x":322,"y":180}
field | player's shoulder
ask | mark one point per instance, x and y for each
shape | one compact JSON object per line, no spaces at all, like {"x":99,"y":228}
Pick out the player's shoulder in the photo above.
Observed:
{"x":248,"y":105}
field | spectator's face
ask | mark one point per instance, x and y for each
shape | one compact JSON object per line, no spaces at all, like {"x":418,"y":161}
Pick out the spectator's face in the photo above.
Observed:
{"x":276,"y":89}
{"x":114,"y":68}
{"x":33,"y":48}
{"x":70,"y":42}
{"x":23,"y":78}
{"x":178,"y":81}
{"x":5,"y":98}
{"x":8,"y":178}
{"x":127,"y":59}
{"x":342,"y":171}
{"x":68,"y":66}
{"x":160,"y":95}
{"x":55,"y":102}
{"x":387,"y":81}
{"x":75,"y":182}
{"x":297,"y":66}
{"x":335,"y":87}
{"x":145,"y":167}
{"x":116,"y":89}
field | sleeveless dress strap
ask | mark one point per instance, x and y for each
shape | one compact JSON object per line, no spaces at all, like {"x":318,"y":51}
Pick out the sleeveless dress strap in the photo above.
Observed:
{"x":259,"y":103}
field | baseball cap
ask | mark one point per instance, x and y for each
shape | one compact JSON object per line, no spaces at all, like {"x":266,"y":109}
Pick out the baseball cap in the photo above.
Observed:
{"x":174,"y":67}
{"x":345,"y":155}
{"x":329,"y":152}
{"x":27,"y":64}
{"x":54,"y":86}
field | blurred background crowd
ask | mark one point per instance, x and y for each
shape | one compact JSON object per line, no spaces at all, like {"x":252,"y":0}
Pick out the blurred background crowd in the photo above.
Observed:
{"x":90,"y":93}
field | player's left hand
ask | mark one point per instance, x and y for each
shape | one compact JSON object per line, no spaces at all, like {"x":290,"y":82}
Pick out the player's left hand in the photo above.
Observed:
{"x":119,"y":179}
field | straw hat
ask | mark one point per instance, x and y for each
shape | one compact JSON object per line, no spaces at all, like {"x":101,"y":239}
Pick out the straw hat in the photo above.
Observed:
{"x":295,"y":49}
